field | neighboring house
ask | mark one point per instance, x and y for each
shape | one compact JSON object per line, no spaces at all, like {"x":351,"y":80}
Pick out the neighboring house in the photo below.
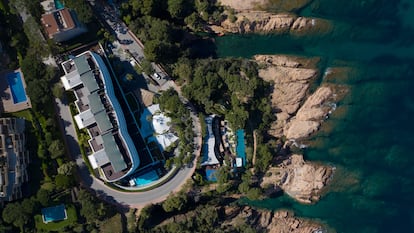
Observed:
{"x":114,"y":153}
{"x":14,"y":158}
{"x":62,"y":25}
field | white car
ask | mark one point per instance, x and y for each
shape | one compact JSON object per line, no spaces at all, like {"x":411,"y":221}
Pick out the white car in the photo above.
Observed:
{"x":157,"y":76}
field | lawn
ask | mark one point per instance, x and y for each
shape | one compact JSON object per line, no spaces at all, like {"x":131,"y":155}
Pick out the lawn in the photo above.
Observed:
{"x":56,"y":226}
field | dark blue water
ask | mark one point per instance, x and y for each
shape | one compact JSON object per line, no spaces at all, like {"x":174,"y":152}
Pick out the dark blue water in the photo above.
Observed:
{"x":369,"y":138}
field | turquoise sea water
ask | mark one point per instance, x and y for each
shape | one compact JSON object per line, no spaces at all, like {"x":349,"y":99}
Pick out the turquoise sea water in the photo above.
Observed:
{"x":370,"y":137}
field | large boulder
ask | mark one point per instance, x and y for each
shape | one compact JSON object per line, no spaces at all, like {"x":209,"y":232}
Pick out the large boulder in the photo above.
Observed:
{"x":301,"y":180}
{"x":291,"y":78}
{"x":309,"y":117}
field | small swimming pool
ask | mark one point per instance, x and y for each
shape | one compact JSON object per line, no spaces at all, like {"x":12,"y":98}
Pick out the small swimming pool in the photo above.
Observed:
{"x":59,"y":5}
{"x":54,"y":213}
{"x":241,"y":147}
{"x":146,"y":178}
{"x":16,"y":87}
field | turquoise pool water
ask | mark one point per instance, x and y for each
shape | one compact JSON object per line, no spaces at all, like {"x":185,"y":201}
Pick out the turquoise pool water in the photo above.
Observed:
{"x":146,"y":178}
{"x":54,"y":213}
{"x":59,"y":5}
{"x":16,"y":86}
{"x":241,"y":147}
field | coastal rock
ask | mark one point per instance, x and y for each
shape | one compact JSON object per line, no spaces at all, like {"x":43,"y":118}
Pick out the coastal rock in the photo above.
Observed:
{"x":276,"y":222}
{"x":281,"y":23}
{"x":299,"y":179}
{"x":309,"y":117}
{"x":276,"y":5}
{"x":291,"y":77}
{"x":284,"y":221}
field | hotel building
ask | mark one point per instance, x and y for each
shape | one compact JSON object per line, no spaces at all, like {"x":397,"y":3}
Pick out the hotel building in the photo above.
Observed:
{"x":114,"y":153}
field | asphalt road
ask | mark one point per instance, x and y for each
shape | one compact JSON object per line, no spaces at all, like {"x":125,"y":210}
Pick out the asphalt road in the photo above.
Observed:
{"x":125,"y":199}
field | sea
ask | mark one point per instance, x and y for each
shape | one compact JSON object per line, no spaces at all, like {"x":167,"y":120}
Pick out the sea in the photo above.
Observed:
{"x":369,"y":138}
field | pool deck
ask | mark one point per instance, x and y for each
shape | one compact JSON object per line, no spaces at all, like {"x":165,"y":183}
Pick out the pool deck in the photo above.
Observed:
{"x":6,"y":98}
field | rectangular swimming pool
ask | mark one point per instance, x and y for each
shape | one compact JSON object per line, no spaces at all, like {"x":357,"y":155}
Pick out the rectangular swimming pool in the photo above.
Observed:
{"x":54,"y":213}
{"x":241,"y":147}
{"x":16,"y":87}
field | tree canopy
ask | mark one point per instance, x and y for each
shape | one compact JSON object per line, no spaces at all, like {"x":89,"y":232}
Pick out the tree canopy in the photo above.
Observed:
{"x":82,"y":8}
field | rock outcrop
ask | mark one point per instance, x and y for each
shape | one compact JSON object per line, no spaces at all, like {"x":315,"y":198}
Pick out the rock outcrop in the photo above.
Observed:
{"x":291,"y":77}
{"x":273,"y":5}
{"x":301,"y":180}
{"x":282,"y":23}
{"x":298,"y":112}
{"x":311,"y":114}
{"x":272,"y":222}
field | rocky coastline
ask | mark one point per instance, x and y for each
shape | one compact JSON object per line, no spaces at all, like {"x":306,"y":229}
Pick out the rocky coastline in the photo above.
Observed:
{"x":249,"y":17}
{"x":299,"y":111}
{"x":301,"y":180}
{"x":258,"y":219}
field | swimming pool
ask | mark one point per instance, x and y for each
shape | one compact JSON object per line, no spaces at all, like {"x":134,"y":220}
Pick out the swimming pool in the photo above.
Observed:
{"x":16,"y":87}
{"x":59,"y":5}
{"x":241,"y":148}
{"x":54,"y":213}
{"x":146,"y":178}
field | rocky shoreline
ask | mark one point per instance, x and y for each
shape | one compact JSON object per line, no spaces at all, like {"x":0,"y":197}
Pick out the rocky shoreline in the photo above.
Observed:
{"x":250,"y":17}
{"x":299,"y":112}
{"x":260,"y":220}
{"x":304,"y":181}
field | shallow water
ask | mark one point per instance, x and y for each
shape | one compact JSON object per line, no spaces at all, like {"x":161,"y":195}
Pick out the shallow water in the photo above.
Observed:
{"x":369,"y":137}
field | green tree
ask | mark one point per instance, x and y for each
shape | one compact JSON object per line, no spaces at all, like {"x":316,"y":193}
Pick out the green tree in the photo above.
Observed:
{"x":43,"y":197}
{"x":57,"y":90}
{"x":254,"y":193}
{"x":82,"y":8}
{"x":38,"y":90}
{"x":91,"y":209}
{"x":63,"y":181}
{"x":14,"y":214}
{"x":147,"y":67}
{"x":28,"y":206}
{"x":33,"y":67}
{"x":56,"y":149}
{"x":67,"y":169}
{"x":183,"y":70}
{"x":179,"y":8}
{"x":175,"y":202}
{"x":193,"y":22}
{"x":263,"y":157}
